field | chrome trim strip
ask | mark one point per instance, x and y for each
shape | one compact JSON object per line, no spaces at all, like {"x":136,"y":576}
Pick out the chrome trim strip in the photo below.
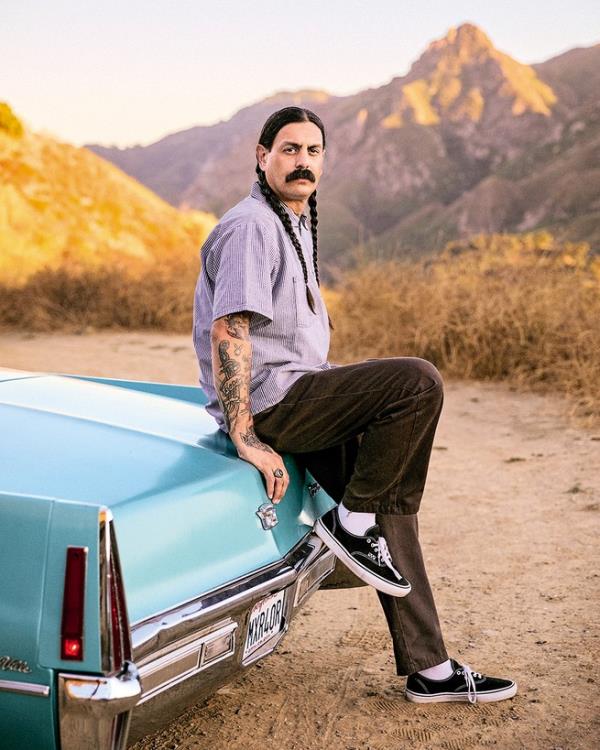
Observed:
{"x":25,"y":688}
{"x":309,"y":537}
{"x":121,"y":601}
{"x":109,"y":565}
{"x":151,"y":635}
{"x":105,"y":518}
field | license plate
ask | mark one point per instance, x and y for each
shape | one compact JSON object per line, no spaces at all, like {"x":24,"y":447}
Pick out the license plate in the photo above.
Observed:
{"x":265,"y":621}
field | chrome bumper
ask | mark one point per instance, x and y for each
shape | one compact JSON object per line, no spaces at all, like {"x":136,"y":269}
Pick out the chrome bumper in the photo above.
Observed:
{"x":174,"y":646}
{"x":94,"y":712}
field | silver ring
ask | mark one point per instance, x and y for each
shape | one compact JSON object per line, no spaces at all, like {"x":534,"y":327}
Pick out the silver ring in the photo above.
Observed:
{"x":277,"y":473}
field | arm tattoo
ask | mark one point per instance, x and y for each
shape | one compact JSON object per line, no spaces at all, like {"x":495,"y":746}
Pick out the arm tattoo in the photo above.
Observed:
{"x":229,"y":387}
{"x":237,"y":326}
{"x":234,"y":371}
{"x":251,"y":439}
{"x":229,"y":367}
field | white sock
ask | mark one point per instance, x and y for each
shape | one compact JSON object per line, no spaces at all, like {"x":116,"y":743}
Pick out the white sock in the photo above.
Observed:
{"x":439,"y":671}
{"x":355,"y":523}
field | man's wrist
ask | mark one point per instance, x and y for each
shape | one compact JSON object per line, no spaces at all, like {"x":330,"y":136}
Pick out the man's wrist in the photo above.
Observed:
{"x":239,"y":429}
{"x":246,"y":437}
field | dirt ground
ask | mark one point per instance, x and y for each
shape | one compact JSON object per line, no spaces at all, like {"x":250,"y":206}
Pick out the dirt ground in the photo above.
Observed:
{"x":509,"y":527}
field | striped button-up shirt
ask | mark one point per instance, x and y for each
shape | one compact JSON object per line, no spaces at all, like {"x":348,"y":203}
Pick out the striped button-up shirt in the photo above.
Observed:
{"x":249,"y":263}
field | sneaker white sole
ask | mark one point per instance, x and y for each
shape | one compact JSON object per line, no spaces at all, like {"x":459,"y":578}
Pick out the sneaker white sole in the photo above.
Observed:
{"x":373,"y":580}
{"x":487,"y":697}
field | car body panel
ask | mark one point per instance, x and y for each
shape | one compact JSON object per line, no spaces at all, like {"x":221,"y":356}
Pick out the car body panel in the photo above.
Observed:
{"x":8,"y":374}
{"x":190,"y":393}
{"x":28,"y":721}
{"x":23,"y":553}
{"x":183,"y":506}
{"x":25,"y":524}
{"x":170,"y":477}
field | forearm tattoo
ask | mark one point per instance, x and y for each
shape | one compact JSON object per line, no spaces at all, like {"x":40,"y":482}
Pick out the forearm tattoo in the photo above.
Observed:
{"x":251,"y":439}
{"x":233,"y":381}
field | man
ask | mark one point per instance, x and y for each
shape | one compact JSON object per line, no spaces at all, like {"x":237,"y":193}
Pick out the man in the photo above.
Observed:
{"x":364,"y":430}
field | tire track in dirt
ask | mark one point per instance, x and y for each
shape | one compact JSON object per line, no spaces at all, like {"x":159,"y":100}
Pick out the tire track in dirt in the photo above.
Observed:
{"x":307,"y":718}
{"x":450,"y":726}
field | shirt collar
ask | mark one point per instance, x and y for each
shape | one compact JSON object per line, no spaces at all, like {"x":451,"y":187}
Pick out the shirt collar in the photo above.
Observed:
{"x":256,"y":192}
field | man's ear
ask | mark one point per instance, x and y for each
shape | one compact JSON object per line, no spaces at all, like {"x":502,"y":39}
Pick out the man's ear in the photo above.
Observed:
{"x":261,"y":155}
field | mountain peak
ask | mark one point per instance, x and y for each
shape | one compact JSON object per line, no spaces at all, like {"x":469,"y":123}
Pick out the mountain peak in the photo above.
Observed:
{"x":458,"y":77}
{"x":465,"y":42}
{"x":468,"y":37}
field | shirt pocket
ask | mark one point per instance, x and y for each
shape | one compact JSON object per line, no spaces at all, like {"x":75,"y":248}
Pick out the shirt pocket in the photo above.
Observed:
{"x":303,"y":311}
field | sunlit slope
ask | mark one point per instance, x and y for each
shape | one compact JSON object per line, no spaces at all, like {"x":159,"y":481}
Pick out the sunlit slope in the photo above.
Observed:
{"x":63,"y":205}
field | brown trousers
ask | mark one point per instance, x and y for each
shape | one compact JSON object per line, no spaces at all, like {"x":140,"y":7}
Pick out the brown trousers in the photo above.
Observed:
{"x":365,"y":432}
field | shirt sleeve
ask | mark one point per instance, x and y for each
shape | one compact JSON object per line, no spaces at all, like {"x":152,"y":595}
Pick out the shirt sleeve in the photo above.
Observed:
{"x":240,"y":264}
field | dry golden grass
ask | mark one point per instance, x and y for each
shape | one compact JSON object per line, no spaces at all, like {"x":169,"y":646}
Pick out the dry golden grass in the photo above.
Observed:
{"x":159,"y":298}
{"x":515,"y":309}
{"x":518,"y":308}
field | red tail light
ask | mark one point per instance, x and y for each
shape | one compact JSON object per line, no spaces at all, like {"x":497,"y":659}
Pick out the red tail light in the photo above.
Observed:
{"x":71,"y":632}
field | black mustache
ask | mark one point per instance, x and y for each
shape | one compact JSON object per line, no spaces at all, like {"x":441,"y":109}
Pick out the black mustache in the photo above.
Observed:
{"x":299,"y":174}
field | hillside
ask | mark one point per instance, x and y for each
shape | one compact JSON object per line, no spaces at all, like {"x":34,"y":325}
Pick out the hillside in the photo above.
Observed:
{"x":469,"y":140}
{"x":64,"y":206}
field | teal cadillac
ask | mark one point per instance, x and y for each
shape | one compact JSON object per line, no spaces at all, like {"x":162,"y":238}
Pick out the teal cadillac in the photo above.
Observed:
{"x":141,"y":565}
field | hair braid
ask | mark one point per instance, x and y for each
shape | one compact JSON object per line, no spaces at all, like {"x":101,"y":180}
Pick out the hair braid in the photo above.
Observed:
{"x":275,"y":204}
{"x":314,"y":220}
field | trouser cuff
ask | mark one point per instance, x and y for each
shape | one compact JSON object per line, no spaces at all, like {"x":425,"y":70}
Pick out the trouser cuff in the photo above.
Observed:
{"x":403,"y":668}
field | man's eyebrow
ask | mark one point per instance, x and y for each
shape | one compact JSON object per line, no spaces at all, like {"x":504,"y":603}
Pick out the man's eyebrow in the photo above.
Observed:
{"x":298,"y":145}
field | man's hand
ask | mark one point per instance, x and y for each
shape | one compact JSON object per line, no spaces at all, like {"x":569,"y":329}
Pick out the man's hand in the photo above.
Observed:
{"x":231,"y":362}
{"x":266,"y":460}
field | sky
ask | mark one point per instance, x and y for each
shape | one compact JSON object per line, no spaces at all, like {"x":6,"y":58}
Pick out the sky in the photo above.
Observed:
{"x":121,"y":72}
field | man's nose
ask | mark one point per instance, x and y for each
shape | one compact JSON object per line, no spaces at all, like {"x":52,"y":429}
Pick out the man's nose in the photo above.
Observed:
{"x":302,"y":158}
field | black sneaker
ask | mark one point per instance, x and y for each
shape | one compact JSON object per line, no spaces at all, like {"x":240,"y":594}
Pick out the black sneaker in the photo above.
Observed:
{"x":463,"y":685}
{"x":367,"y":556}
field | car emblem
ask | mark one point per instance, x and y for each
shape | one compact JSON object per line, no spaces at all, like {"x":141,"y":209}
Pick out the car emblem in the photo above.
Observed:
{"x":268,"y":515}
{"x":14,"y":665}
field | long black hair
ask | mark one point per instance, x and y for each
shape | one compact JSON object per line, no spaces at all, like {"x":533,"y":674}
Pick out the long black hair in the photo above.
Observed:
{"x":267,"y":137}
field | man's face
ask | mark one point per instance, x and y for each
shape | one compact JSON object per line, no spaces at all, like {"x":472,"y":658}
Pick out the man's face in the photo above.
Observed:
{"x":294,"y":164}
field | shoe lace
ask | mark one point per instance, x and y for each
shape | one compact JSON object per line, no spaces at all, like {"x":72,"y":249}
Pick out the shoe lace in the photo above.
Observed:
{"x":470,"y":675}
{"x":383,"y":554}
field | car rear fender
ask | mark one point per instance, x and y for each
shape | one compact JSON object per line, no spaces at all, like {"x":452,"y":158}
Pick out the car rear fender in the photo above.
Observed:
{"x":27,"y":716}
{"x":96,"y":691}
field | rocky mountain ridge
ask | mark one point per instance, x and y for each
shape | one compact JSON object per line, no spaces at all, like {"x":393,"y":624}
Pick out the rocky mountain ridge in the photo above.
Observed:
{"x":469,"y":140}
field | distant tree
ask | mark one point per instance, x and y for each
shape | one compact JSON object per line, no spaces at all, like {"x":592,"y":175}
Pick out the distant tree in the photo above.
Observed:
{"x":9,"y":122}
